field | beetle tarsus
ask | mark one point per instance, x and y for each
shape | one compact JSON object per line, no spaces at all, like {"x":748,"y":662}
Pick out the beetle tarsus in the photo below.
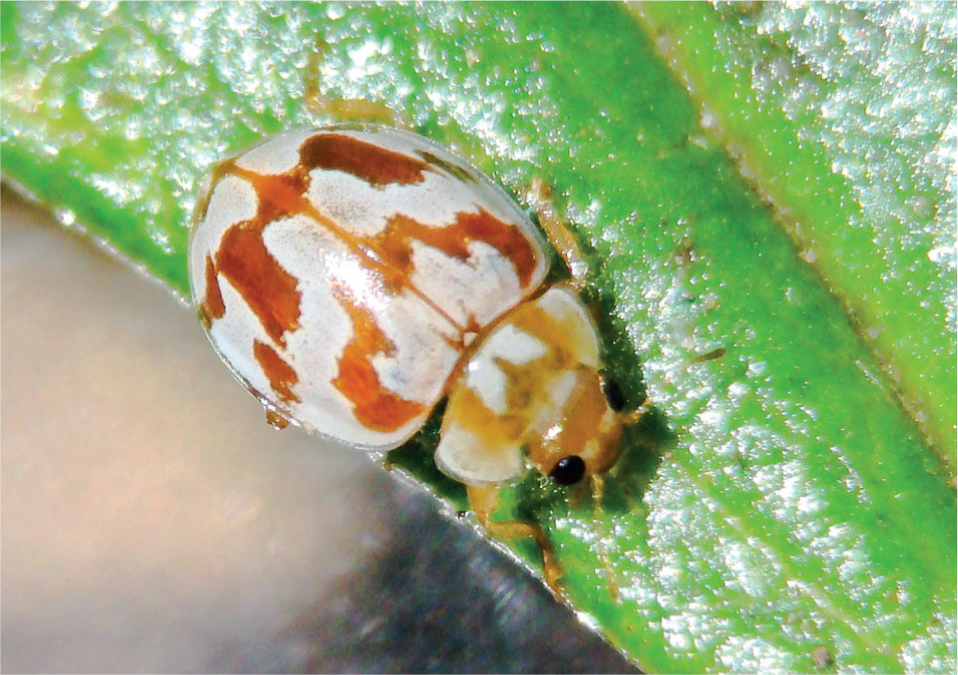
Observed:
{"x":483,"y":500}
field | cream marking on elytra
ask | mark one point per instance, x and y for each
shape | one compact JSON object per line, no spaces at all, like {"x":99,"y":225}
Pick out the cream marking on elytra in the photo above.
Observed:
{"x":271,"y":158}
{"x":351,"y":277}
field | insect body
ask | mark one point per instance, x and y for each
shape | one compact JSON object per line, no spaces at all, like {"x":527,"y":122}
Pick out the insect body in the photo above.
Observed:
{"x":351,"y":277}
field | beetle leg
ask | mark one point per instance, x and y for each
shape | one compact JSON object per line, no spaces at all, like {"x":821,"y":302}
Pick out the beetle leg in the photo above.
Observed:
{"x":598,"y":483}
{"x":356,"y":110}
{"x":342,"y":109}
{"x":483,"y":500}
{"x":562,"y":238}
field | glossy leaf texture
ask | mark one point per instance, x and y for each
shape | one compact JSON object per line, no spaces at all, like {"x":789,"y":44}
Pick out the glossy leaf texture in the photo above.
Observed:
{"x":767,"y":195}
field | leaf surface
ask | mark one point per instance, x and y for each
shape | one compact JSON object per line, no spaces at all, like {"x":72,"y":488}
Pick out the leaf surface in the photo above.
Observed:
{"x":774,"y":253}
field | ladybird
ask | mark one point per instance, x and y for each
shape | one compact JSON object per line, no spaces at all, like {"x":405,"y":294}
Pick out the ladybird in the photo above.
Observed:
{"x":352,"y":276}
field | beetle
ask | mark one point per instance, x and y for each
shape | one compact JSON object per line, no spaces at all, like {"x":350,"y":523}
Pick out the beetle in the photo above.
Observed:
{"x":353,"y":276}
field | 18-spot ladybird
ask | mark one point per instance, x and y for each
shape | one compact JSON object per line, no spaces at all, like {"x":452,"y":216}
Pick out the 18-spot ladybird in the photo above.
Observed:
{"x":351,"y":277}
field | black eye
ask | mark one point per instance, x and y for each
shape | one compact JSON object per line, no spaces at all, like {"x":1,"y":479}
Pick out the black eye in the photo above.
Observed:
{"x":613,"y":394}
{"x":568,"y":471}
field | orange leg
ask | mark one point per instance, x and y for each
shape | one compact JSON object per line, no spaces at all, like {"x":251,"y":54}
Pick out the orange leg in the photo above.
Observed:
{"x":562,"y":238}
{"x":356,"y":110}
{"x":598,"y":483}
{"x":342,"y":109}
{"x":483,"y":500}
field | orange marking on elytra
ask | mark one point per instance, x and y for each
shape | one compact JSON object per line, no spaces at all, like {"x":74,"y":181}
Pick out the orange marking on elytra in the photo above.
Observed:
{"x":394,"y":244}
{"x":212,"y":307}
{"x":281,"y":375}
{"x":272,"y":292}
{"x":268,"y":289}
{"x":506,"y":238}
{"x":284,"y":196}
{"x":453,"y":169}
{"x":374,"y":406}
{"x":377,"y":166}
{"x":243,"y":259}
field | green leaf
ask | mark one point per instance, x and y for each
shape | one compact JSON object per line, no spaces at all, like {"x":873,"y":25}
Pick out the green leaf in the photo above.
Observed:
{"x":790,"y":505}
{"x":842,"y":118}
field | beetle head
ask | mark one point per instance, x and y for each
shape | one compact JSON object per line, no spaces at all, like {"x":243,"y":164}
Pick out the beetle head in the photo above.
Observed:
{"x":585,"y":438}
